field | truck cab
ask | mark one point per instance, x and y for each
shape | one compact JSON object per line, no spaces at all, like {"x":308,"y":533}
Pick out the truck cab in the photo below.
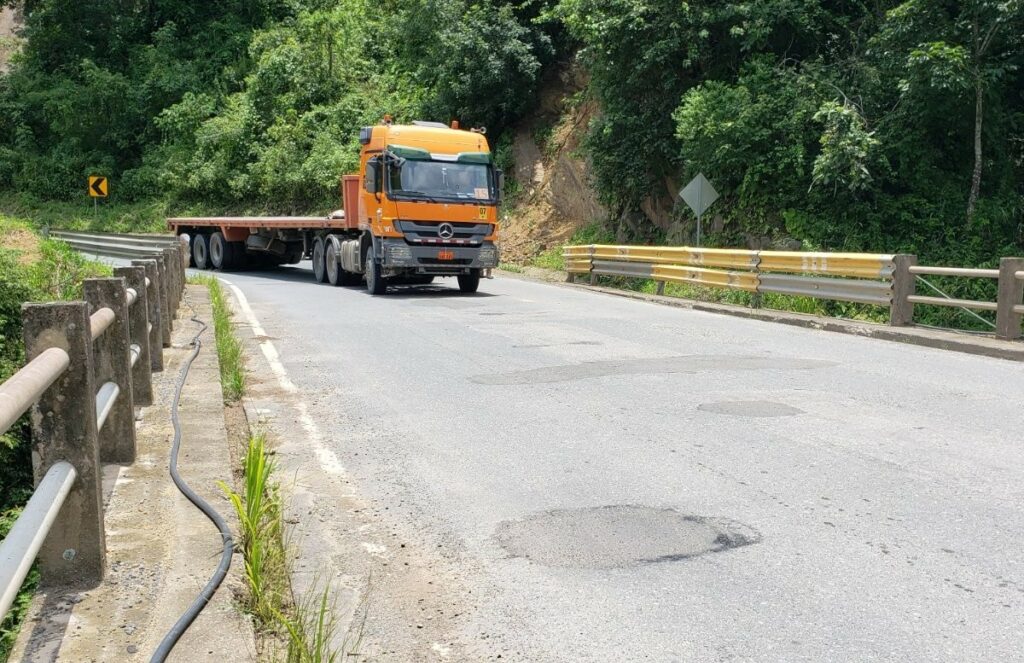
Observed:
{"x":425,"y":203}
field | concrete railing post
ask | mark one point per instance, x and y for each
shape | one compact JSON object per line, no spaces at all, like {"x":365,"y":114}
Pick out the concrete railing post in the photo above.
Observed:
{"x":64,"y":428}
{"x":901,"y":311}
{"x":1011,"y":294}
{"x":138,"y":317}
{"x":155,"y":325}
{"x":112,"y":362}
{"x":173,"y":256}
{"x":166,"y":313}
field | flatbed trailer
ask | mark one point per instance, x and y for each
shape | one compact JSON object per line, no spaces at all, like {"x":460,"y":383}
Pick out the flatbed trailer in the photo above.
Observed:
{"x":424,"y":205}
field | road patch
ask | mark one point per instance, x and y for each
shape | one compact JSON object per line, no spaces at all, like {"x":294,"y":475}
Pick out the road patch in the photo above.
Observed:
{"x":608,"y":537}
{"x":650,"y":366}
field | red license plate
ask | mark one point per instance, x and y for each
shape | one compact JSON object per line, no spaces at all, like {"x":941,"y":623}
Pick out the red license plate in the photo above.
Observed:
{"x":446,"y":255}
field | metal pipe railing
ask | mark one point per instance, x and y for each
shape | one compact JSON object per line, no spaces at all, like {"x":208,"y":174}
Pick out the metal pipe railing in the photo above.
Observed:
{"x":71,"y":351}
{"x":954,"y":303}
{"x":99,"y":321}
{"x":105,"y":399}
{"x":25,"y":387}
{"x":19,"y":548}
{"x":955,"y":271}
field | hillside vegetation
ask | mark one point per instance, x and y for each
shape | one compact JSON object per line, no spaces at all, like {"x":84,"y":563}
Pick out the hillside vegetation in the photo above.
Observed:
{"x":895,"y":126}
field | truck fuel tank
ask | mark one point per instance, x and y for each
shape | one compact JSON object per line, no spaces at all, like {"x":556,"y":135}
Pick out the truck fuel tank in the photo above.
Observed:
{"x":351,"y":260}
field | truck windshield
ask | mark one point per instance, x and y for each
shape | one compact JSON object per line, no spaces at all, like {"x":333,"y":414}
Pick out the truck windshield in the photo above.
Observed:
{"x":419,"y":179}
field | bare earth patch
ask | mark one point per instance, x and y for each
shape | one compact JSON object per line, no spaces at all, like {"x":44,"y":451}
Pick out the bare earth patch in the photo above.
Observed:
{"x":24,"y":242}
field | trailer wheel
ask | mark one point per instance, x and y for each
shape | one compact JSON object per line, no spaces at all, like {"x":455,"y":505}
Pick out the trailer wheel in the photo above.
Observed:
{"x":186,"y":238}
{"x":234,"y":256}
{"x":469,"y":282}
{"x":200,"y":251}
{"x":220,"y":256}
{"x":319,"y":261}
{"x":375,"y":282}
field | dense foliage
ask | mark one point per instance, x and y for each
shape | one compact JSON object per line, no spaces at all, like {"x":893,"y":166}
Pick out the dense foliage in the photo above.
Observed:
{"x":229,"y":102}
{"x":886,"y":125}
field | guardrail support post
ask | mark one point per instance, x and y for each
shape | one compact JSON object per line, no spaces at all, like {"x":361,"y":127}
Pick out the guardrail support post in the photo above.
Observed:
{"x":154,"y":324}
{"x":1011,"y":294}
{"x":138,"y":314}
{"x":174,"y":268}
{"x":166,"y":314}
{"x":64,"y":428}
{"x":661,"y":288}
{"x":901,"y":311}
{"x":112,"y":362}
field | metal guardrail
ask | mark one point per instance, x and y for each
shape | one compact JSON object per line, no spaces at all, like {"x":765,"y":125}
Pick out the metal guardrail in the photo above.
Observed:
{"x":113,"y":339}
{"x":113,"y":245}
{"x":867,"y":278}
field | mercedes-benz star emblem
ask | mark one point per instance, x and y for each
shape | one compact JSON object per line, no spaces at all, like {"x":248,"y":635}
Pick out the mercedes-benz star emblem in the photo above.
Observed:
{"x":445,"y":231}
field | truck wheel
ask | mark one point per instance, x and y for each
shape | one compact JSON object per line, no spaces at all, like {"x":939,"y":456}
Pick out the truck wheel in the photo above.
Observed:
{"x":185,"y":238}
{"x":319,"y":261}
{"x":335,"y":275}
{"x":220,"y":256}
{"x":235,"y":255}
{"x":469,"y":282}
{"x":200,"y":252}
{"x":375,"y":282}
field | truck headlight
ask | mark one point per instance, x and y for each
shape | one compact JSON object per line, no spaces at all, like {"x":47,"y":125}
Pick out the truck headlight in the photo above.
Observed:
{"x":488,"y":255}
{"x":398,"y":253}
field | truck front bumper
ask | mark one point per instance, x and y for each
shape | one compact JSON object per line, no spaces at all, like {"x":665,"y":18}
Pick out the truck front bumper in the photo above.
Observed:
{"x":437,"y":259}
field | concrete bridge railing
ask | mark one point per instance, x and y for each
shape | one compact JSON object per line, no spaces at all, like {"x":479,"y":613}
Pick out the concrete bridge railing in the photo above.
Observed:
{"x":88,"y":366}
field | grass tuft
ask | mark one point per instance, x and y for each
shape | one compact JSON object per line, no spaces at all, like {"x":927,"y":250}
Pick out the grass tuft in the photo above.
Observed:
{"x":259,"y":515}
{"x":295,"y":631}
{"x":229,"y":348}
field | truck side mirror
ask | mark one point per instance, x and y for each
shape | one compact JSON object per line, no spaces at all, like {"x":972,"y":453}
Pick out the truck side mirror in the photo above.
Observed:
{"x":372,"y":176}
{"x":500,"y":176}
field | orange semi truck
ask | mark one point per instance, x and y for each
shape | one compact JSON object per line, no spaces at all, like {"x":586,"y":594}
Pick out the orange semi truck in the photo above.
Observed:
{"x":424,"y":205}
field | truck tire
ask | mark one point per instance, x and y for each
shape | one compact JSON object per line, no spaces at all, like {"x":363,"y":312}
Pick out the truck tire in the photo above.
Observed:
{"x":319,"y":261}
{"x":200,"y":252}
{"x":237,"y":258}
{"x":335,"y":274}
{"x":220,"y":251}
{"x":186,"y":238}
{"x":375,"y":283}
{"x":469,"y":282}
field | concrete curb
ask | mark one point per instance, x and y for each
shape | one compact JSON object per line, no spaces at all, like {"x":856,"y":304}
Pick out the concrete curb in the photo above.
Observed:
{"x":931,"y":338}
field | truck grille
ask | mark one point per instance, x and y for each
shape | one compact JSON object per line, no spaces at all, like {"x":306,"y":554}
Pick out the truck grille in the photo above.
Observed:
{"x":430,"y":232}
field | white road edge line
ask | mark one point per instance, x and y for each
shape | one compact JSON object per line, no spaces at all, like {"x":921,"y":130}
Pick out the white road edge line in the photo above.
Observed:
{"x":327,"y":459}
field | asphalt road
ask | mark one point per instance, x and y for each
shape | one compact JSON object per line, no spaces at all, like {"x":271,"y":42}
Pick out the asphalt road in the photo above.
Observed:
{"x":595,"y":478}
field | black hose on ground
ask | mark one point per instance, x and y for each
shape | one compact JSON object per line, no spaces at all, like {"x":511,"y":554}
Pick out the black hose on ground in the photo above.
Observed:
{"x":189,"y":616}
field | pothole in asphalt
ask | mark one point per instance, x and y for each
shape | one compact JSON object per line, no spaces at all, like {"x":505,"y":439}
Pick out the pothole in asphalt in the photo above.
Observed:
{"x":650,"y":366}
{"x":616,"y":536}
{"x":750,"y":408}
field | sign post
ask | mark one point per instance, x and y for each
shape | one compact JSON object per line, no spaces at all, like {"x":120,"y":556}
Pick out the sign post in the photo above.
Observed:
{"x":98,"y":188}
{"x":699,"y":195}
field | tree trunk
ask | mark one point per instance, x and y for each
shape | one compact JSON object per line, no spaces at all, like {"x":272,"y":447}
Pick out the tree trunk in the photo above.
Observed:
{"x":972,"y":200}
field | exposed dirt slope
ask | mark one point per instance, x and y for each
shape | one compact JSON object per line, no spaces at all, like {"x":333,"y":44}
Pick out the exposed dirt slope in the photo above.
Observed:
{"x":10,"y":22}
{"x":556,"y":196}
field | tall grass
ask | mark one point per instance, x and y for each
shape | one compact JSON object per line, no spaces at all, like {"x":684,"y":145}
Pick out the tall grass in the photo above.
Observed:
{"x":308,"y":627}
{"x":259,"y":515}
{"x":229,"y":348}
